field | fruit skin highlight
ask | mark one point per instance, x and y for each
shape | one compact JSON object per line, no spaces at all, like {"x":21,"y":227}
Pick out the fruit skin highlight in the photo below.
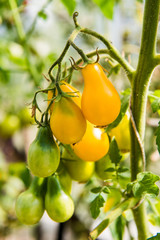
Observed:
{"x":100,"y":101}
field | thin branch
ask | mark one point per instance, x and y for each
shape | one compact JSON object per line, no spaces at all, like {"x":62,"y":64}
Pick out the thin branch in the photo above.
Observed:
{"x":137,"y":135}
{"x":113,"y":52}
{"x":17,"y":19}
{"x":71,"y":38}
{"x":156,"y":59}
{"x":80,"y":51}
{"x":92,"y":54}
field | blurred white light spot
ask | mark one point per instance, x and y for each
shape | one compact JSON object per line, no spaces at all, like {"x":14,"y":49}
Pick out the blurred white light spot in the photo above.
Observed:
{"x":97,"y":132}
{"x":16,"y":50}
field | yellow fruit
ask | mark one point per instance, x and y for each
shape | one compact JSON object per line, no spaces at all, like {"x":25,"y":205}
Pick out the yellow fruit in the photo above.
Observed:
{"x":100,"y":101}
{"x":122,"y":134}
{"x":94,"y":144}
{"x":67,"y":88}
{"x":67,"y":122}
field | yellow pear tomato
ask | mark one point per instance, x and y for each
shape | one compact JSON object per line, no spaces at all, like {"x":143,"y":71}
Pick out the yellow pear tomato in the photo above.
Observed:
{"x":67,"y":88}
{"x":94,"y":144}
{"x":67,"y":122}
{"x":100,"y":101}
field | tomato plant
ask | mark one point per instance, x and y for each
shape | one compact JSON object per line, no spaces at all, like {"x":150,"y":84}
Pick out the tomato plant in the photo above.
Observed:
{"x":73,"y":131}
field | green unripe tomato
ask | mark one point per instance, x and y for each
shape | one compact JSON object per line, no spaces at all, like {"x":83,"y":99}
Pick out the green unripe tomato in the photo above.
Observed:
{"x":78,"y":169}
{"x":29,"y":204}
{"x":43,"y":154}
{"x":59,"y":205}
{"x":9,"y":125}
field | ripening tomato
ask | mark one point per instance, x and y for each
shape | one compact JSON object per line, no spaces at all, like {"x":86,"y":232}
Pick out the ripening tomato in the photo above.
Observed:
{"x":64,"y":178}
{"x":79,"y":170}
{"x":67,"y":122}
{"x":94,"y":144}
{"x":67,"y":88}
{"x":100,"y":101}
{"x":122,"y":134}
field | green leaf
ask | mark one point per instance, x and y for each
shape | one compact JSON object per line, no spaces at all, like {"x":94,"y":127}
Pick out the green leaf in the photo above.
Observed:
{"x":106,"y":190}
{"x":124,"y":107}
{"x":129,"y":187}
{"x":95,"y":206}
{"x":127,"y":91}
{"x":145,"y":184}
{"x":106,"y":6}
{"x":158,"y":137}
{"x":141,"y":1}
{"x":96,"y":189}
{"x":154,"y":98}
{"x":154,"y":219}
{"x":114,"y":70}
{"x":42,"y":14}
{"x":147,"y":177}
{"x":122,"y":169}
{"x":155,"y":105}
{"x":70,"y":5}
{"x":110,"y":170}
{"x":114,"y":152}
{"x":157,"y":237}
{"x":117,"y":228}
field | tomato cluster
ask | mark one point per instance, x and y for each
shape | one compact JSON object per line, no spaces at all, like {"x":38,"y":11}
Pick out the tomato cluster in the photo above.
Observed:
{"x":77,"y":123}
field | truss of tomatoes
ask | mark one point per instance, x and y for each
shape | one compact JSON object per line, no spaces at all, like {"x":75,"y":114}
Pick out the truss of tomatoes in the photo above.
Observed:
{"x":77,"y":122}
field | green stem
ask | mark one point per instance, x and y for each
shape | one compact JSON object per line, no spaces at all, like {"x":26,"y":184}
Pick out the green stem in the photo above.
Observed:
{"x":141,"y":81}
{"x":89,"y":55}
{"x":31,"y":68}
{"x":126,"y":204}
{"x":113,"y":52}
{"x":17,"y":19}
{"x":71,"y":38}
{"x":81,"y":53}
